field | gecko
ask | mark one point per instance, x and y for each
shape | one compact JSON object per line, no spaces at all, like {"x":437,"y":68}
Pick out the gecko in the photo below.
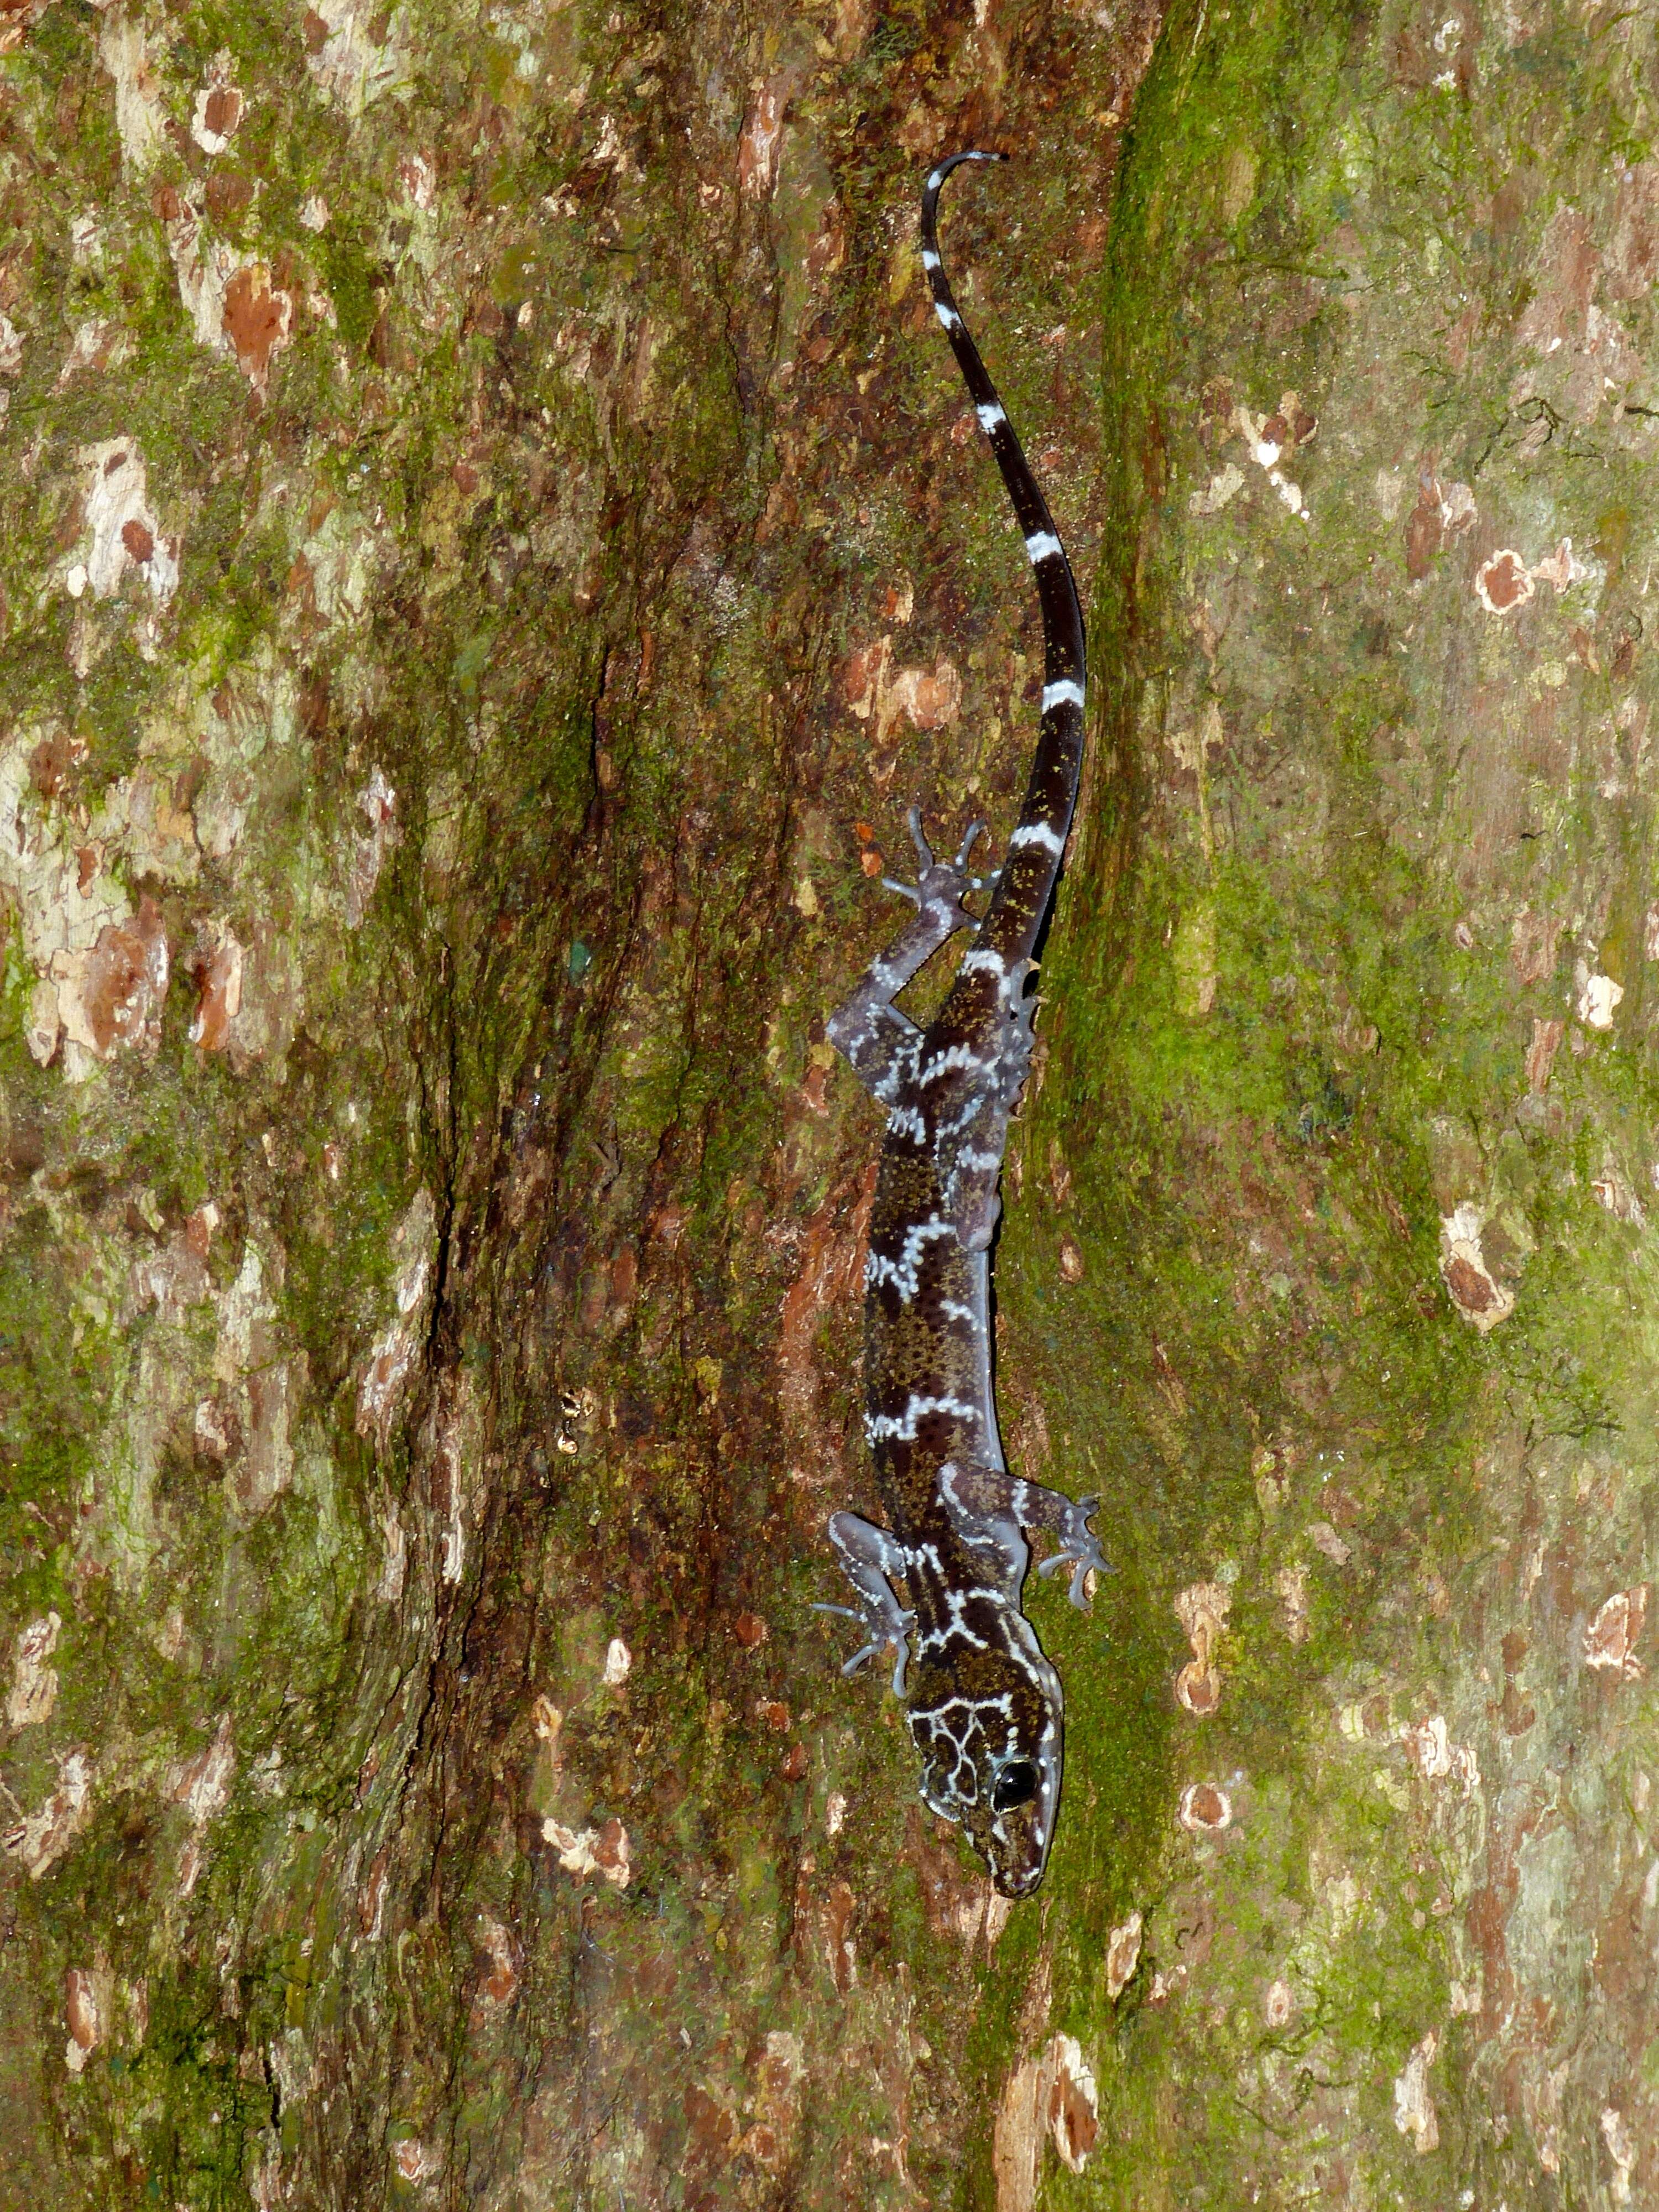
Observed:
{"x":984,"y":1704}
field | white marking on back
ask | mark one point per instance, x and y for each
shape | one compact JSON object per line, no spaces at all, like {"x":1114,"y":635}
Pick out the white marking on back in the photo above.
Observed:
{"x":984,"y":962}
{"x":904,"y":1274}
{"x":902,"y":1426}
{"x":989,"y":417}
{"x":1064,"y":694}
{"x":1042,"y":545}
{"x":949,"y":318}
{"x":929,"y":259}
{"x":944,"y":1063}
{"x":936,"y":181}
{"x":1036,"y":833}
{"x":958,"y":1601}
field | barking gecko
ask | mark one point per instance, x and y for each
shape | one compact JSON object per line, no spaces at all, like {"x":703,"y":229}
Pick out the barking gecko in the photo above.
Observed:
{"x":983,"y":1704}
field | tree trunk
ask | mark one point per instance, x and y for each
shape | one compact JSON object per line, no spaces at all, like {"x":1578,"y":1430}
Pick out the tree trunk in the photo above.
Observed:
{"x":494,"y":544}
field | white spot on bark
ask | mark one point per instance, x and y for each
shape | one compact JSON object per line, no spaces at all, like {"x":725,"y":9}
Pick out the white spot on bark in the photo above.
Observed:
{"x":1430,"y":1744}
{"x":1051,"y":2093}
{"x":762,"y":134}
{"x":202,"y":1785}
{"x":618,"y":1663}
{"x":1202,"y":1610}
{"x":378,"y":804}
{"x":33,"y":1683}
{"x":41,"y":1839}
{"x":350,"y":65}
{"x":1476,"y":1293}
{"x":603,"y":1851}
{"x":1620,"y":2149}
{"x":1325,"y":1540}
{"x":1292,"y":1584}
{"x":219,"y":107}
{"x":121,"y":524}
{"x":1122,"y":1955}
{"x":139,"y":119}
{"x":1204,"y":1809}
{"x":1611,"y":1638}
{"x":1598,"y":1000}
{"x":1215,"y":495}
{"x":1414,"y":2112}
{"x":393,"y":1354}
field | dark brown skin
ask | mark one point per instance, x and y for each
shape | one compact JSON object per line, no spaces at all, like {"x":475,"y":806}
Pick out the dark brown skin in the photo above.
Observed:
{"x":985,"y":1706}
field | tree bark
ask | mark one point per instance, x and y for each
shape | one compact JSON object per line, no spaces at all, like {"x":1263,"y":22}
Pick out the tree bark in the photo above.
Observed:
{"x":495,"y":544}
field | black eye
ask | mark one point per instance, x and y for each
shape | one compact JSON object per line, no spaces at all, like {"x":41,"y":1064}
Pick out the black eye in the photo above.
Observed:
{"x":1017,"y":1785}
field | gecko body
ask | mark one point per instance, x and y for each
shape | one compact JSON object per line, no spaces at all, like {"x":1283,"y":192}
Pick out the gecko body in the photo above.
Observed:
{"x":984,"y":1705}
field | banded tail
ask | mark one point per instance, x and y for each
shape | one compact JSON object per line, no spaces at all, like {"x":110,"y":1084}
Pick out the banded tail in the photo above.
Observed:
{"x":1014,"y":918}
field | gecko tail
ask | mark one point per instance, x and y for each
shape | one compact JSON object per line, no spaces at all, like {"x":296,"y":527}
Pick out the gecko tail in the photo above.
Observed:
{"x":1014,"y":920}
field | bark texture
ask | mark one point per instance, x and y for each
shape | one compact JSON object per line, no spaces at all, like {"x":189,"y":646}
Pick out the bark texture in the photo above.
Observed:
{"x":494,"y":545}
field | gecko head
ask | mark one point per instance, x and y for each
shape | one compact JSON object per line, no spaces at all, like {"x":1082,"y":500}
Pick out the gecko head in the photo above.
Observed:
{"x":991,"y":1758}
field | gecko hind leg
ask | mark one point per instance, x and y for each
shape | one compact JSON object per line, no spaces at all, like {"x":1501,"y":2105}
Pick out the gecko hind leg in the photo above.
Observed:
{"x":981,"y":1494}
{"x":869,"y":1556}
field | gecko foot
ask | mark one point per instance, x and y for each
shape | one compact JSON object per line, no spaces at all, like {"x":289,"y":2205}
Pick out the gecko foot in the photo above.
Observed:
{"x":883,"y":1632}
{"x":1079,"y":1549}
{"x":941,"y":883}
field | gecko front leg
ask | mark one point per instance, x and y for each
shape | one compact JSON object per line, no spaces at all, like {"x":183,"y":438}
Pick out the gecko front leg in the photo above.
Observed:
{"x":869,"y":1558}
{"x":978,"y":1495}
{"x":869,"y":1031}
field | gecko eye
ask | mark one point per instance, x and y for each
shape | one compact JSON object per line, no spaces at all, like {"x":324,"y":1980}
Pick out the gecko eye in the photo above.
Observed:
{"x":1016,"y":1786}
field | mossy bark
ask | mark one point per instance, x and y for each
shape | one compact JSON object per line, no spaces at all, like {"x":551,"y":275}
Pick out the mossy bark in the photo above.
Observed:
{"x":494,"y":544}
